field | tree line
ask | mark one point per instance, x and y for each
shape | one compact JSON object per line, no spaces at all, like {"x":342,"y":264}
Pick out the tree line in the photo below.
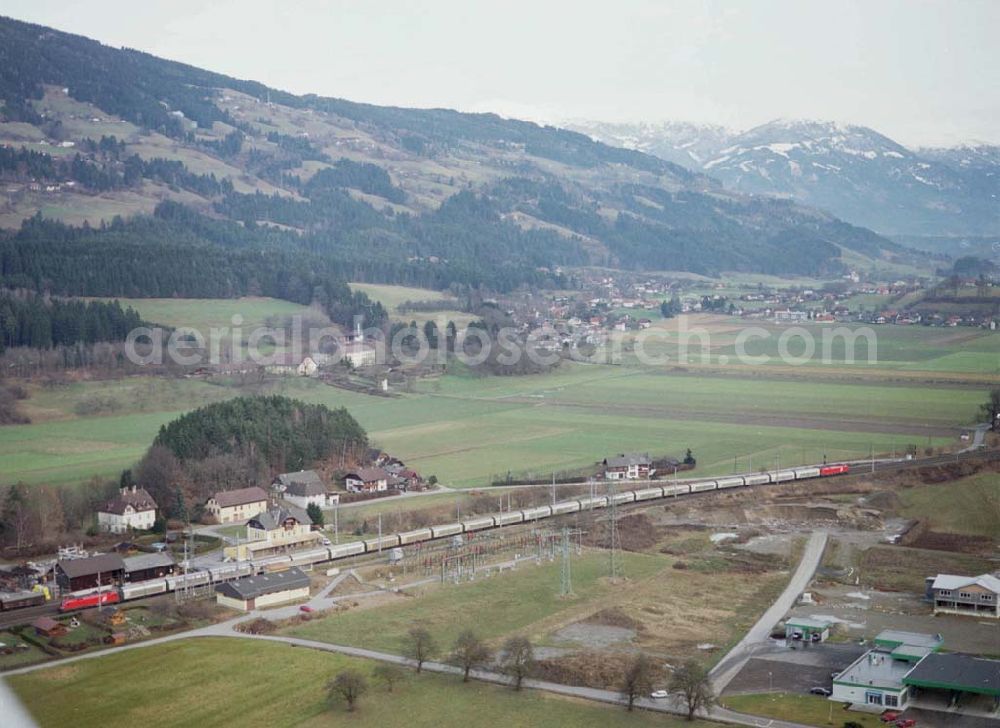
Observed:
{"x":41,"y":323}
{"x":689,"y":682}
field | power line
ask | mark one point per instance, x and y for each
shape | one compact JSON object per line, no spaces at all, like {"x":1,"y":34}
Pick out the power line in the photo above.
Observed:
{"x":615,"y":570}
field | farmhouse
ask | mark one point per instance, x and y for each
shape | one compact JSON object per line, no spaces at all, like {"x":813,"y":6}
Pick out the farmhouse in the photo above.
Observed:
{"x":236,"y":506}
{"x":148,"y":566}
{"x":304,"y":488}
{"x":264,"y":590}
{"x":90,"y":572}
{"x":978,"y":596}
{"x":132,"y":509}
{"x":367,"y":480}
{"x":628,"y":466}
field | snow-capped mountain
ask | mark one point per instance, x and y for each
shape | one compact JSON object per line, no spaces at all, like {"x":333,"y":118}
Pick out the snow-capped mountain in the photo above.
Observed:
{"x":852,"y":171}
{"x":680,"y":142}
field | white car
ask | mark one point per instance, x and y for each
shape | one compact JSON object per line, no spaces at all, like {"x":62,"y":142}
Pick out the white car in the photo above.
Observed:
{"x":659,"y":694}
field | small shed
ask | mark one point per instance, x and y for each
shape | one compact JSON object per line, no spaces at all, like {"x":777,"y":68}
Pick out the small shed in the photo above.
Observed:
{"x":48,"y":627}
{"x":806,"y":629}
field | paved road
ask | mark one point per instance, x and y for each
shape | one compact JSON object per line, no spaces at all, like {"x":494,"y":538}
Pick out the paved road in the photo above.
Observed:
{"x":728,"y":667}
{"x":322,"y":600}
{"x":225,"y":629}
{"x":978,"y":438}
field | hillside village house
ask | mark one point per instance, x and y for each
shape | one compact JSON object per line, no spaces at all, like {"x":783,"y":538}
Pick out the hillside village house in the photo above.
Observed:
{"x":237,"y":506}
{"x":304,"y":488}
{"x":359,"y":354}
{"x":977,"y":596}
{"x":628,"y":466}
{"x":367,"y":480}
{"x":274,"y":531}
{"x":132,"y":509}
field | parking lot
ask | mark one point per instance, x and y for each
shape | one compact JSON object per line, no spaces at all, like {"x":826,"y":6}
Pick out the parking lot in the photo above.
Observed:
{"x":793,"y":670}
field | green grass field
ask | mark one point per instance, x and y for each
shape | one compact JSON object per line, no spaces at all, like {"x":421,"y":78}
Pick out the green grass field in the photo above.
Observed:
{"x":205,"y":682}
{"x":494,"y":607}
{"x":808,"y":709}
{"x":969,"y":506}
{"x":392,"y":296}
{"x":205,"y":313}
{"x":467,"y":430}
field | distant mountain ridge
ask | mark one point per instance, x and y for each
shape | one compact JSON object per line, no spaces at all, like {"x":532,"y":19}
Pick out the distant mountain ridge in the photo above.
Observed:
{"x":428,"y":197}
{"x":852,"y":171}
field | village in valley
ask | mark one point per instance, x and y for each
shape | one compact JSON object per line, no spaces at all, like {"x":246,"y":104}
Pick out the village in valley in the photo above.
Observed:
{"x":576,"y":374}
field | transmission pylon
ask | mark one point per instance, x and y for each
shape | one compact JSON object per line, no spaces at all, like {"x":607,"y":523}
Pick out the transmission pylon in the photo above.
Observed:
{"x":615,"y":570}
{"x":566,"y":577}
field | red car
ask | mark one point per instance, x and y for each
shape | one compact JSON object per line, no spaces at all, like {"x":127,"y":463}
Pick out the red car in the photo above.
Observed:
{"x":305,"y":608}
{"x":905,"y":723}
{"x":890,"y":716}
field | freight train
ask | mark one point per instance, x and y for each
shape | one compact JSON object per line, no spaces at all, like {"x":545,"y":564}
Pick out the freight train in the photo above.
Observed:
{"x":226,"y":571}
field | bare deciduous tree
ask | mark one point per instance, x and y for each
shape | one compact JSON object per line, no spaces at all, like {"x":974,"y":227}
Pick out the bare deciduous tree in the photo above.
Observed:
{"x":517,"y":659}
{"x":637,"y":680}
{"x":469,"y":652}
{"x":419,"y":646}
{"x":691,"y":681}
{"x":348,"y":686}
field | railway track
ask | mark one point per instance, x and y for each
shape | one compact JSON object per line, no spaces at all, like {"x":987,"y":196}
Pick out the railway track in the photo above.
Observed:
{"x":372,"y":549}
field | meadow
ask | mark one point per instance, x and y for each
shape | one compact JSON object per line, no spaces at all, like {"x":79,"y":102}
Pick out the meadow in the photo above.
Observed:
{"x":670,"y":610}
{"x":393,"y":296}
{"x":205,"y":313}
{"x":807,"y":709}
{"x":495,"y":606}
{"x":970,"y":506}
{"x":202,"y":681}
{"x":469,"y":430}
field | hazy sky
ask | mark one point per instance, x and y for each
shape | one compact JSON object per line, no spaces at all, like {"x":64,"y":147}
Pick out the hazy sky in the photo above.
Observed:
{"x":921,"y":71}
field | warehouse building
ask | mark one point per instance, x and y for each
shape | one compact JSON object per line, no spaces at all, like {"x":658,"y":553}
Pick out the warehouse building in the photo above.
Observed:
{"x":264,"y":590}
{"x":90,"y":572}
{"x":906,"y":669}
{"x":955,"y":682}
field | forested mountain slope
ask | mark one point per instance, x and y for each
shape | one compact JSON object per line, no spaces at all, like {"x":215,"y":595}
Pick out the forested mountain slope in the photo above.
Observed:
{"x":207,"y":166}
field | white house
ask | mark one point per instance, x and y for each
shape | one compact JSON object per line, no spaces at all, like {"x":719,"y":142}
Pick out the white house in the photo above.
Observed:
{"x":628,"y":466}
{"x":304,"y":488}
{"x":367,"y":480}
{"x":133,"y":508}
{"x":359,"y":354}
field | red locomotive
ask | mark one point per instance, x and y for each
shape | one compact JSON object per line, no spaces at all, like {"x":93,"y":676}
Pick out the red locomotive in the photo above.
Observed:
{"x":834,"y":469}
